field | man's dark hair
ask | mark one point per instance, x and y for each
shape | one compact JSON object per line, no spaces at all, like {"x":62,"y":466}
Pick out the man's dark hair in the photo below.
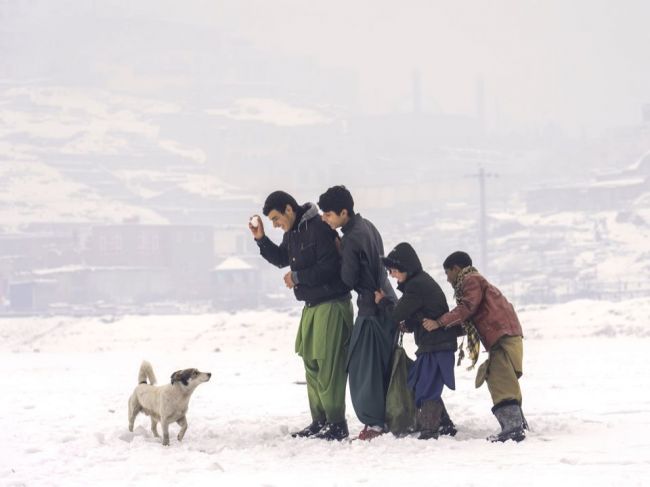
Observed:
{"x":459,"y":258}
{"x":336,"y":199}
{"x":278,"y":200}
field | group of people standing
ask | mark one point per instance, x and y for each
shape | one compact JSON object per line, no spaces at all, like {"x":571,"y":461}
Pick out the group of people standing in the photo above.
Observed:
{"x":324,"y":268}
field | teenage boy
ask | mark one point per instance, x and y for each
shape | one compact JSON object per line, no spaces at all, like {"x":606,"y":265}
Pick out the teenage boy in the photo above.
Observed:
{"x":373,"y":334}
{"x":309,"y":248}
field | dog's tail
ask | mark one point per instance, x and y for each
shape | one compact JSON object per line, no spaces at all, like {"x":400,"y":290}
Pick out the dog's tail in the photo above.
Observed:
{"x":146,"y":372}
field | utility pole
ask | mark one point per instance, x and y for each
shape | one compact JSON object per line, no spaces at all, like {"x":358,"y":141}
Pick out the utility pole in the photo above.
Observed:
{"x":482,"y":223}
{"x":482,"y":229}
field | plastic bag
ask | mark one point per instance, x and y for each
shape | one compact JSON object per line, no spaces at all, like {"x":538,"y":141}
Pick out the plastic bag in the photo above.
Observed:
{"x":400,"y":399}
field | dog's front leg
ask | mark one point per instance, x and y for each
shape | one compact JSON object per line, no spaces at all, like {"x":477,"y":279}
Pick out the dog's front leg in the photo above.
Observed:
{"x":165,"y":429}
{"x":154,"y":428}
{"x":183,"y":424}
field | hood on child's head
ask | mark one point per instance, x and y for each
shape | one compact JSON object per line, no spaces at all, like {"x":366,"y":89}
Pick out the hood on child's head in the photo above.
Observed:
{"x":404,"y":259}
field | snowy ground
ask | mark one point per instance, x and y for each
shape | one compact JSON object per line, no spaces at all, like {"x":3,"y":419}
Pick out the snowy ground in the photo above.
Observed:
{"x":65,"y":384}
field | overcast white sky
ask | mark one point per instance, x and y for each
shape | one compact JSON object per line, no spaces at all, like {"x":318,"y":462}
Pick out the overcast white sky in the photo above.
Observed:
{"x":578,"y":63}
{"x":582,"y":64}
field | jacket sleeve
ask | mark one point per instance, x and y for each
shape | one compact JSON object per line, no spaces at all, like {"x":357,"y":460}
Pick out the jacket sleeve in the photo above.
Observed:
{"x":406,"y":307}
{"x":469,"y":303}
{"x":388,"y":290}
{"x":350,"y":265}
{"x":274,"y":254}
{"x":327,"y":264}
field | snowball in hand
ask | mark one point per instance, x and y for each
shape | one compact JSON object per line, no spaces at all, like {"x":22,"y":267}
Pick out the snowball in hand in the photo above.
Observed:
{"x":255,"y":221}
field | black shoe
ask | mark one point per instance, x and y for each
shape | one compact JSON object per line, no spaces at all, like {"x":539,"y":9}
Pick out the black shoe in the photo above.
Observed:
{"x":310,"y":430}
{"x":333,"y":431}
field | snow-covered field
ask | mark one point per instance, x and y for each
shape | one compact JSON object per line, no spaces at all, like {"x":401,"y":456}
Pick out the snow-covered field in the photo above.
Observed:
{"x":65,"y":384}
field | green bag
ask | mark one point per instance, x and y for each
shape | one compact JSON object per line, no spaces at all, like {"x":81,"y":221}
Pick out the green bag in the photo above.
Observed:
{"x":400,"y":399}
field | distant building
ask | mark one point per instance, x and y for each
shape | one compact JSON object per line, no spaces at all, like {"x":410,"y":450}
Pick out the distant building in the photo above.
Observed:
{"x":610,"y":191}
{"x":185,"y":251}
{"x":33,"y":295}
{"x":235,"y":285}
{"x":67,"y":287}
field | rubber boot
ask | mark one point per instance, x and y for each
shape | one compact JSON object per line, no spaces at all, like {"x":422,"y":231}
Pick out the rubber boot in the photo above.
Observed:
{"x":511,"y":419}
{"x":430,"y":415}
{"x":447,"y":426}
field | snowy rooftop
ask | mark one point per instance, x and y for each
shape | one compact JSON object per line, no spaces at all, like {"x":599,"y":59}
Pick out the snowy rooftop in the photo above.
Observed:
{"x":233,"y":263}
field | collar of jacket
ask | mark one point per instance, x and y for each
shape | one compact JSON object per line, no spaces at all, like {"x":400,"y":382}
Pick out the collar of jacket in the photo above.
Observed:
{"x":351,"y":223}
{"x":401,"y":285}
{"x":305,"y":212}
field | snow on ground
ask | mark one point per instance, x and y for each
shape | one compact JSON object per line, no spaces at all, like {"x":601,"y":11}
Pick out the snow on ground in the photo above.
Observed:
{"x":66,"y":382}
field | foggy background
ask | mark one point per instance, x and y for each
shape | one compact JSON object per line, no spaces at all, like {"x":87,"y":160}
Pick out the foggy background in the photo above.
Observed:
{"x":136,"y":138}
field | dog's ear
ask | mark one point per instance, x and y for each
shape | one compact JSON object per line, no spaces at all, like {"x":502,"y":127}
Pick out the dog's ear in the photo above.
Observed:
{"x":182,"y":376}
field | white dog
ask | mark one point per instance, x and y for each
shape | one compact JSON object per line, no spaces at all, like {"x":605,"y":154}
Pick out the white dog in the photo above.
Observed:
{"x":164,"y":404}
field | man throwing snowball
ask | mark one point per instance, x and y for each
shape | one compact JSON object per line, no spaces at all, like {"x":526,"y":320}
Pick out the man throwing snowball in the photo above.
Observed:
{"x":309,"y":248}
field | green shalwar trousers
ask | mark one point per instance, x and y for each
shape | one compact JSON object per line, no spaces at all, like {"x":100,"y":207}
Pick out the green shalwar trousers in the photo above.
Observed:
{"x":371,"y":351}
{"x":322,"y":342}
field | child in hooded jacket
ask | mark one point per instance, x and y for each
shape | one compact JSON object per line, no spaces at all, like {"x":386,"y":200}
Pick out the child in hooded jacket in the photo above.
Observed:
{"x":433,"y":369}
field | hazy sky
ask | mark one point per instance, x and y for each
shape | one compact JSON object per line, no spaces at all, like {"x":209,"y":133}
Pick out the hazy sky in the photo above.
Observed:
{"x":582,"y":64}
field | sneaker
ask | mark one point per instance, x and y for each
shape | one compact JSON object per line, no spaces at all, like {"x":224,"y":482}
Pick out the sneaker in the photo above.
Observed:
{"x":370,"y":432}
{"x":333,"y":432}
{"x":310,"y":430}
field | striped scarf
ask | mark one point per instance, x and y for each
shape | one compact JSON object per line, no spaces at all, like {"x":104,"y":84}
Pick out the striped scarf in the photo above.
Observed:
{"x":473,"y":339}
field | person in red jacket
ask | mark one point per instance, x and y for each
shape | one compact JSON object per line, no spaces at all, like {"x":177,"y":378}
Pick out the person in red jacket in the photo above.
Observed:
{"x":488,"y":318}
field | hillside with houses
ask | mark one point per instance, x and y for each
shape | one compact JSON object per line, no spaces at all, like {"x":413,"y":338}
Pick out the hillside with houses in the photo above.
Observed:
{"x":125,"y":188}
{"x":108,"y":212}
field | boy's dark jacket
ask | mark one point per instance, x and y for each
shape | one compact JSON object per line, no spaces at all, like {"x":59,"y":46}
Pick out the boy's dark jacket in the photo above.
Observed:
{"x":361,"y":266}
{"x":421,"y":298}
{"x":309,"y":248}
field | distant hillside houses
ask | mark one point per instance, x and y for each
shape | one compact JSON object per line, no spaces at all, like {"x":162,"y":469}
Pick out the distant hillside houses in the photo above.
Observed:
{"x":55,"y":268}
{"x":610,"y":191}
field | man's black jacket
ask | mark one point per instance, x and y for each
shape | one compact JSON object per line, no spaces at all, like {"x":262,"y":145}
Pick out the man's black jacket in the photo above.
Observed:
{"x":310,"y":250}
